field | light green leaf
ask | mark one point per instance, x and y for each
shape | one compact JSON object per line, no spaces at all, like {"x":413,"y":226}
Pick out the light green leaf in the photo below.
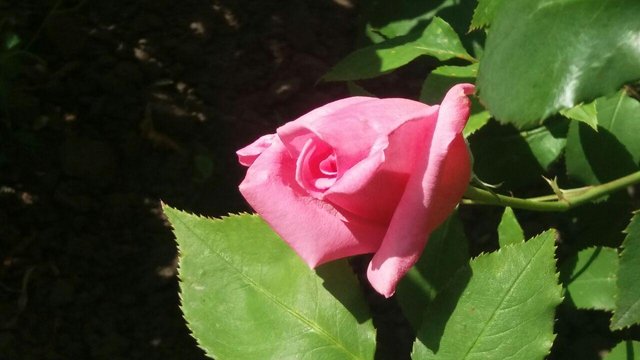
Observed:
{"x":246,"y":295}
{"x":611,"y":152}
{"x":509,"y":230}
{"x":501,"y":307}
{"x":442,"y":78}
{"x":446,"y":251}
{"x":438,"y":40}
{"x":542,"y":56}
{"x":586,"y":113}
{"x":626,"y":350}
{"x":484,"y":13}
{"x":590,"y":278}
{"x":477,"y":120}
{"x":627,"y":311}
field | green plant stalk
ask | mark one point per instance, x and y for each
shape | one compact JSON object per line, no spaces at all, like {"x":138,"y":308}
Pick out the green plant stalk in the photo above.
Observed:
{"x":572,"y":197}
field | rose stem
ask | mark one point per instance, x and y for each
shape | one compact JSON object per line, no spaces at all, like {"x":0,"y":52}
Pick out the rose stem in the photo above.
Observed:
{"x":572,"y":197}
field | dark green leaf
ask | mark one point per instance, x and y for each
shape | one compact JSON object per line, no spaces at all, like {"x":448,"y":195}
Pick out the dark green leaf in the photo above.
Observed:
{"x":590,"y":278}
{"x":438,"y":40}
{"x":530,"y":152}
{"x":446,"y":251}
{"x":542,"y":56}
{"x":246,"y":295}
{"x":393,"y":18}
{"x":509,"y":230}
{"x":627,"y":311}
{"x":613,"y":151}
{"x":501,"y":307}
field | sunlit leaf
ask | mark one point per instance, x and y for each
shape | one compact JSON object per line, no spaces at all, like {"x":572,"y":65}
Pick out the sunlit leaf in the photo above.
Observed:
{"x":509,"y":230}
{"x":438,"y":40}
{"x":626,"y":350}
{"x":542,"y":56}
{"x":586,"y":113}
{"x":613,"y":151}
{"x":484,"y":13}
{"x":627,"y":310}
{"x":246,"y":295}
{"x":446,"y":251}
{"x":590,"y":278}
{"x":501,"y":307}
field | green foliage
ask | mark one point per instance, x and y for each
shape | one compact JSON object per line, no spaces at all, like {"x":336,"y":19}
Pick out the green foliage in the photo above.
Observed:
{"x":509,"y":230}
{"x":626,"y":350}
{"x":590,"y":278}
{"x":627,"y":309}
{"x":484,"y":13}
{"x":389,"y":19}
{"x":438,"y":40}
{"x":446,"y":251}
{"x":542,"y":56}
{"x":586,"y":113}
{"x":246,"y":295}
{"x":613,"y":150}
{"x":501,"y":306}
{"x":530,"y":152}
{"x":442,"y":78}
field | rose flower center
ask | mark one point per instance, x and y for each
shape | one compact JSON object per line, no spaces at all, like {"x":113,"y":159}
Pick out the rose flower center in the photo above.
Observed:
{"x":316,"y":167}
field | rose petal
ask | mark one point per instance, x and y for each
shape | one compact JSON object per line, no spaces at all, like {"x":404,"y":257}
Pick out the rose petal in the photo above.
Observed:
{"x":317,"y":231}
{"x":427,"y":199}
{"x":356,"y":131}
{"x":373,"y":187}
{"x":248,"y":154}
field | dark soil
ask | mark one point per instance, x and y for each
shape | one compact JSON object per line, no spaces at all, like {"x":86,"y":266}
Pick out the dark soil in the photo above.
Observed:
{"x":119,"y":105}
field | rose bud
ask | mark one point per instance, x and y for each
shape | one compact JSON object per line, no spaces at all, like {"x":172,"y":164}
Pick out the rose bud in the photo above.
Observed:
{"x":362,"y":175}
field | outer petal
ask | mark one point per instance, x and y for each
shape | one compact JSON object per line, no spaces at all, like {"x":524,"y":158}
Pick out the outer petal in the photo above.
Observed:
{"x":248,"y":154}
{"x":317,"y":231}
{"x":433,"y":190}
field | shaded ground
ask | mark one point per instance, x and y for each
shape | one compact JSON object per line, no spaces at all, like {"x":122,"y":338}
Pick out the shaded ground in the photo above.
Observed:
{"x":133,"y":102}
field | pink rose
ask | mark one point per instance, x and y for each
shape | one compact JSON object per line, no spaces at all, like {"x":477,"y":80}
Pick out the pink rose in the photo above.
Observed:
{"x":362,"y":175}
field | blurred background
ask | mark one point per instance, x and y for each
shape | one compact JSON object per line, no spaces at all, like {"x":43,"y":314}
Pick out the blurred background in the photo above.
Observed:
{"x":108,"y":107}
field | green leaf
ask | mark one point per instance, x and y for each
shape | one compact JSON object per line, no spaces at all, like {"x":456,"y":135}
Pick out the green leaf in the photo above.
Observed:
{"x":586,"y":113}
{"x":594,"y":157}
{"x":501,"y":307}
{"x":246,"y":295}
{"x":590,"y":278}
{"x":357,"y":90}
{"x":530,"y":152}
{"x":626,"y":350}
{"x":627,"y":311}
{"x":442,"y":78}
{"x":11,"y":40}
{"x":446,"y":251}
{"x":438,"y":40}
{"x":477,"y":120}
{"x":509,"y":230}
{"x":484,"y":13}
{"x":545,"y":55}
{"x":393,"y":18}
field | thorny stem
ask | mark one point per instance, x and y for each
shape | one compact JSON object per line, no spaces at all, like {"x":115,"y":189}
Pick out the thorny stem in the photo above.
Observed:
{"x":550,"y":203}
